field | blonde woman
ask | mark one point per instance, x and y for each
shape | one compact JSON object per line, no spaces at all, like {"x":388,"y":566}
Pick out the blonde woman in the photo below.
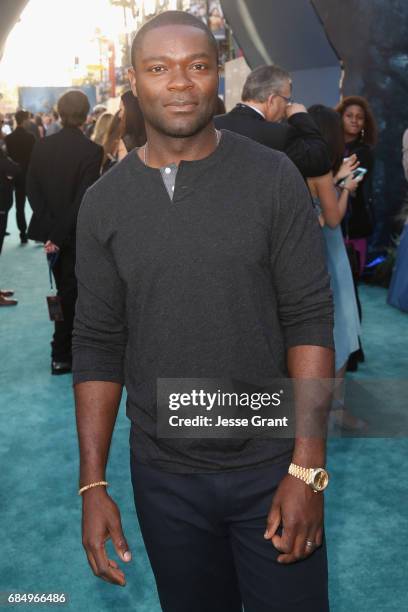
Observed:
{"x":101,"y":128}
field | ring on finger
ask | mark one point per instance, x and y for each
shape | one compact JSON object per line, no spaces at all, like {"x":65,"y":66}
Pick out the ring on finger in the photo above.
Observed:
{"x":310,"y":544}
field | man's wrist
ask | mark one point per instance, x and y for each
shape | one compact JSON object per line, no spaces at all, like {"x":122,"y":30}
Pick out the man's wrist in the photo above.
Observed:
{"x":91,"y":474}
{"x":310,"y":452}
{"x":94,"y":493}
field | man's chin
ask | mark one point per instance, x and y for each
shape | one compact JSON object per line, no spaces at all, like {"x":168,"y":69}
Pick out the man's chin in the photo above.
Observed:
{"x":182,"y":131}
{"x":182,"y":128}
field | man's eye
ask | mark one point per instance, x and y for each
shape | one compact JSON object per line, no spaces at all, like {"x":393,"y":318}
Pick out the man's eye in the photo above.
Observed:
{"x":157,"y":69}
{"x":199,"y":66}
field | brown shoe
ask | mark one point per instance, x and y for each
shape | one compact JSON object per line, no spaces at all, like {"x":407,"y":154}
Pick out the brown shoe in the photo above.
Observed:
{"x":5,"y":302}
{"x":6,"y":292}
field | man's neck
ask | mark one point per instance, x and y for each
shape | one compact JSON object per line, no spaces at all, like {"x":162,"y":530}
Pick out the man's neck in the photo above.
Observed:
{"x":162,"y":150}
{"x":255,"y":106}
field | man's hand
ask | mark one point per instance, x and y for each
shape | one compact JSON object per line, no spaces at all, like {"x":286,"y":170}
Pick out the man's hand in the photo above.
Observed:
{"x":300,"y":511}
{"x":294,"y":108}
{"x":101,"y":521}
{"x":50,"y":247}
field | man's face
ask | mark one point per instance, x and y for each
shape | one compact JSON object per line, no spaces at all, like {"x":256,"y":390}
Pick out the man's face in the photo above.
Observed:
{"x":176,"y":80}
{"x":276,"y":104}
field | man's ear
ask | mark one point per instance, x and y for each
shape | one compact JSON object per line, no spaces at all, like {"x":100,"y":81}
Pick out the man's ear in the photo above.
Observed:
{"x":132,"y":80}
{"x":270,"y":100}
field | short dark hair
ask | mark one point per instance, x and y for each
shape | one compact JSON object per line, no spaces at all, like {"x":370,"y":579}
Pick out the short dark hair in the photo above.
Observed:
{"x":73,"y":108}
{"x":170,"y":18}
{"x":330,"y":127}
{"x":263,"y":82}
{"x":21,"y":116}
{"x":370,"y":127}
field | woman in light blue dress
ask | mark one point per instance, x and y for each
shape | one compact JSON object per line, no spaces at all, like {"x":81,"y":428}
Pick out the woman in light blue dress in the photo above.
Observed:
{"x":398,"y":291}
{"x":331,"y":204}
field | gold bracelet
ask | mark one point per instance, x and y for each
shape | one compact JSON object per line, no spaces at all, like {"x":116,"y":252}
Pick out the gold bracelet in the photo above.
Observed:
{"x":93,"y":484}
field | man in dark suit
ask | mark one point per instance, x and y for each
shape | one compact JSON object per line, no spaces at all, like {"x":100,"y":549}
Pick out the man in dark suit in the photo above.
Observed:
{"x":62,"y":168}
{"x":19,"y":146}
{"x":266,"y":101}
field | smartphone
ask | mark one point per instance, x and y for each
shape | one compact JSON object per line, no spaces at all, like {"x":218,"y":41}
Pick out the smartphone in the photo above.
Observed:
{"x":359,"y":173}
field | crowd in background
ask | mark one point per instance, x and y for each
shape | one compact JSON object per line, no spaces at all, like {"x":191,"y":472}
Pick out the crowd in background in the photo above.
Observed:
{"x":54,"y":157}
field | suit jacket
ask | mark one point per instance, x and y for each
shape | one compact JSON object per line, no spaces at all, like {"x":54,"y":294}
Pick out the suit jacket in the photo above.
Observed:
{"x":8,"y":171}
{"x":19,"y":146}
{"x":62,"y":168}
{"x":299,"y":138}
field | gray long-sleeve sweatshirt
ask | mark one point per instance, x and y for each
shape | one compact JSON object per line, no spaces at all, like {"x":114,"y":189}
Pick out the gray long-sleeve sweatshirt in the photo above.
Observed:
{"x":219,"y":282}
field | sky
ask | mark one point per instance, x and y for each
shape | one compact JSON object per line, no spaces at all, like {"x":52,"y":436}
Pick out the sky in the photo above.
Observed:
{"x":41,"y":48}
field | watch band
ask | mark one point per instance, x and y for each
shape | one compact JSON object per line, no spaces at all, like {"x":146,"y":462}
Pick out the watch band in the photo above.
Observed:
{"x":316,"y":478}
{"x":302,"y":473}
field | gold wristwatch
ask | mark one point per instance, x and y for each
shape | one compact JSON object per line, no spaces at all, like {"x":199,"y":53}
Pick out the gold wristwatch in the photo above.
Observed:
{"x":316,"y":478}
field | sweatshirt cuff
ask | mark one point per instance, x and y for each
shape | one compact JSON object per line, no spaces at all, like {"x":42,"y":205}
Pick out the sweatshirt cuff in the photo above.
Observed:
{"x":97,"y":376}
{"x":313,"y":335}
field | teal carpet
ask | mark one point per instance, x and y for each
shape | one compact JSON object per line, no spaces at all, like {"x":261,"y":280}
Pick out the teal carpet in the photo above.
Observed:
{"x":40,"y":540}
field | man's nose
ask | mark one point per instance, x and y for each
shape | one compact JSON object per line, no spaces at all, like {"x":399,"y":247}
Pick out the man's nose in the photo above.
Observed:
{"x":179,"y":80}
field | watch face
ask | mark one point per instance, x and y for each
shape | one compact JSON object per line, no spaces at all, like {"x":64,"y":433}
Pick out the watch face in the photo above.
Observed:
{"x":320,"y":479}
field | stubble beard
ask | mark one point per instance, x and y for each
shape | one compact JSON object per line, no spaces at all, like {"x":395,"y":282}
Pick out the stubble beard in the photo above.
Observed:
{"x":180,"y":130}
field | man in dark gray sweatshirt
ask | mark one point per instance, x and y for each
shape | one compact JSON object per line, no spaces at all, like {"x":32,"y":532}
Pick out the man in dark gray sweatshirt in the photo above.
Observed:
{"x":199,"y":256}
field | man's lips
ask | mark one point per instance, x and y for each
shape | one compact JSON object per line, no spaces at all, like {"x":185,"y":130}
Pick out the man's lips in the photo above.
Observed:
{"x":185,"y":102}
{"x":181,"y":105}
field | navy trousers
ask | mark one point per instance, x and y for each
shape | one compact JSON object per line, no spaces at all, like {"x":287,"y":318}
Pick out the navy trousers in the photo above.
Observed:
{"x":204,"y":537}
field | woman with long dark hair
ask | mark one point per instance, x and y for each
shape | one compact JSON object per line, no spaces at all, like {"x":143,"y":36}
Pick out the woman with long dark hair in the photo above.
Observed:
{"x":331,"y":205}
{"x":132,"y":124}
{"x":40,"y":125}
{"x":360,"y":136}
{"x":126,"y":131}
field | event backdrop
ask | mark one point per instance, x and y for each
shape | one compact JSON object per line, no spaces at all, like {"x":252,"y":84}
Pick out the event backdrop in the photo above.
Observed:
{"x":44,"y":99}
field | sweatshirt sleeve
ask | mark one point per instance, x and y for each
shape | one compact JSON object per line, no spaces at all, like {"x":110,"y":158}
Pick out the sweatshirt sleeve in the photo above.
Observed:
{"x":100,"y":333}
{"x":299,"y":265}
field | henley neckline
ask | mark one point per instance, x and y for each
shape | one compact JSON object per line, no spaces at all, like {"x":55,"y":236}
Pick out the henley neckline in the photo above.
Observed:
{"x":213,"y":158}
